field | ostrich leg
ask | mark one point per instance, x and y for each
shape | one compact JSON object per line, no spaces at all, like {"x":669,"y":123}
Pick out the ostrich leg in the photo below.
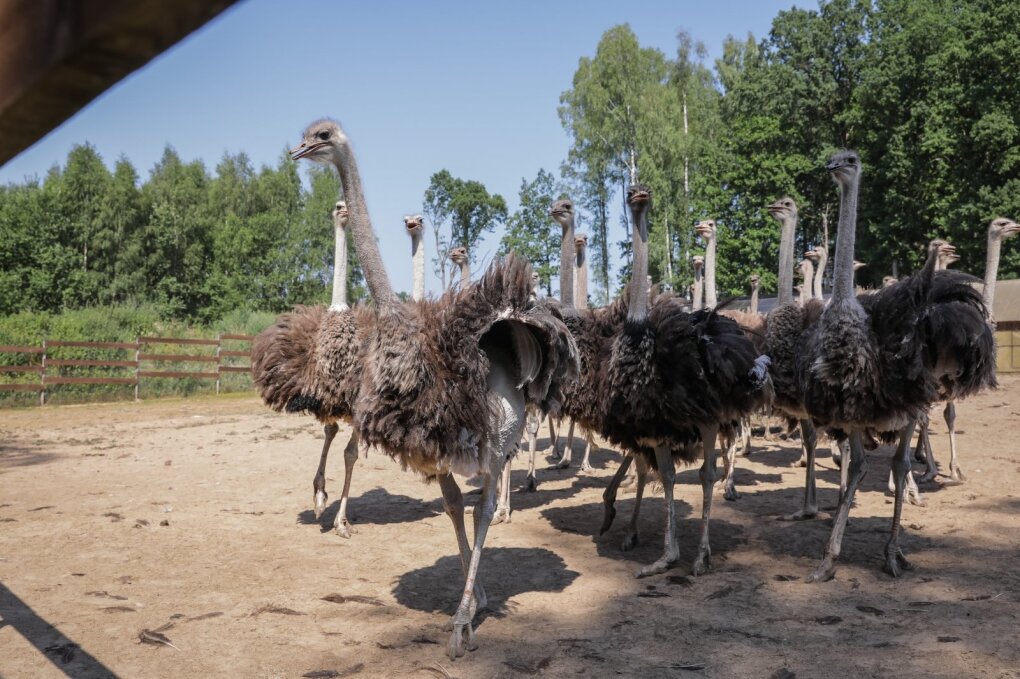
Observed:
{"x":667,"y":474}
{"x":707,"y":474}
{"x":857,"y":467}
{"x":923,"y":451}
{"x":609,"y":495}
{"x":730,"y":458}
{"x":955,"y":473}
{"x":810,"y":508}
{"x":895,"y":562}
{"x":554,"y":433}
{"x":630,"y":538}
{"x":533,"y":423}
{"x":319,"y":482}
{"x":453,"y":502}
{"x":341,"y":525}
{"x":502,"y":514}
{"x":844,"y":467}
{"x":568,"y":449}
{"x":589,"y":439}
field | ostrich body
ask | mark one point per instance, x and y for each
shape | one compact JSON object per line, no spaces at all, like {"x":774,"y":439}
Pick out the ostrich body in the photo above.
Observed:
{"x":698,"y":296}
{"x":305,"y":362}
{"x":673,"y":379}
{"x":444,"y":383}
{"x":415,"y":226}
{"x":875,"y":362}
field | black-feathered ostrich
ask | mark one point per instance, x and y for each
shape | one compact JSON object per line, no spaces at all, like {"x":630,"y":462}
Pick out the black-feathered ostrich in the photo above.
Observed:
{"x":674,"y":379}
{"x":444,"y":383}
{"x":306,"y":362}
{"x":874,"y":362}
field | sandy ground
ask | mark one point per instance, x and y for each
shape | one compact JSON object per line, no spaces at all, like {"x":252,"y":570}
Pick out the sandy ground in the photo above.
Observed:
{"x":194,"y":517}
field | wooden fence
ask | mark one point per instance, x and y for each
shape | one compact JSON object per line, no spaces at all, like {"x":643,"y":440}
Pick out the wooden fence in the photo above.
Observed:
{"x":133,"y":362}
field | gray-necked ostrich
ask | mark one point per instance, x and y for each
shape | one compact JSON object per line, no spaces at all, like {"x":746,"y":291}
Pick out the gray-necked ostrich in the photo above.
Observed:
{"x":698,"y":296}
{"x":459,"y":256}
{"x":306,"y":362}
{"x":706,"y":229}
{"x":415,"y":226}
{"x":873,"y":363}
{"x":673,"y":380}
{"x":445,"y":382}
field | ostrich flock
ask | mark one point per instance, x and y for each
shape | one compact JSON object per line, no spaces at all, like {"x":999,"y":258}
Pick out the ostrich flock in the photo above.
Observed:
{"x":448,"y":384}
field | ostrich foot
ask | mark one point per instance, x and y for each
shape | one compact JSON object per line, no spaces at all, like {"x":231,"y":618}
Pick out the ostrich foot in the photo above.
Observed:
{"x":929,"y":475}
{"x":630,"y":540}
{"x":564,"y":463}
{"x":502,"y":515}
{"x":895,"y":562}
{"x":730,"y":491}
{"x":586,"y":468}
{"x":956,"y":477}
{"x":628,"y":481}
{"x":531,"y":485}
{"x":660,"y":566}
{"x":478,"y":603}
{"x":343,"y":527}
{"x":461,"y":639}
{"x":916,"y":499}
{"x":320,"y":502}
{"x":701,"y":563}
{"x":826,"y":571}
{"x":802,"y":515}
{"x":802,"y":462}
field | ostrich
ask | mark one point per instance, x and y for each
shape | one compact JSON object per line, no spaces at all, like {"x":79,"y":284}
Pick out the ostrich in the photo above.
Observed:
{"x":706,"y":229}
{"x":415,"y":226}
{"x":698,"y":296}
{"x":305,"y":362}
{"x":459,"y":256}
{"x":674,"y":379}
{"x":1000,"y":229}
{"x":807,"y":272}
{"x":889,"y":280}
{"x":874,"y":362}
{"x":444,"y":383}
{"x":818,"y":260}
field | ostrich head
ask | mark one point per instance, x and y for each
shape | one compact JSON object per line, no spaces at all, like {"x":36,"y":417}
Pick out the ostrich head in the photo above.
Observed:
{"x":581,"y":242}
{"x":845,"y":167}
{"x":639,"y":197}
{"x":705,"y":228}
{"x":414,"y":224}
{"x":812,"y":255}
{"x":755,"y":280}
{"x":535,"y":280}
{"x":944,"y":252}
{"x":859,"y":265}
{"x":699,"y":262}
{"x":784,"y":208}
{"x":459,"y":255}
{"x":340,"y":214}
{"x":889,"y":280}
{"x":1002,"y":228}
{"x":323,"y":141}
{"x":562,"y":212}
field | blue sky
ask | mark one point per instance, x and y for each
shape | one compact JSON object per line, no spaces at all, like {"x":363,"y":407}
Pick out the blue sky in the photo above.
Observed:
{"x":419,"y":86}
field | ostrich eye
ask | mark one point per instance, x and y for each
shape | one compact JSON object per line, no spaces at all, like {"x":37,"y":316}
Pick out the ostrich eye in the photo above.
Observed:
{"x":324,"y":135}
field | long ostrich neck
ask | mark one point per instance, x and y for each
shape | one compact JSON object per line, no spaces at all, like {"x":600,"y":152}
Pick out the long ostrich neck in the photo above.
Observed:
{"x":699,"y":300}
{"x":809,"y":279}
{"x":823,"y":258}
{"x":340,"y":269}
{"x":567,"y":265}
{"x":754,"y":298}
{"x":710,"y":297}
{"x":789,"y":231}
{"x":418,"y":266}
{"x":581,"y":280}
{"x":638,"y":307}
{"x":843,"y":269}
{"x":991,"y":270}
{"x":361,"y":228}
{"x":465,"y":273}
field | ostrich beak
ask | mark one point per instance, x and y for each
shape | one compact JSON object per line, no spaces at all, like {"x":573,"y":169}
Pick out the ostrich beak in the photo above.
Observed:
{"x":304,"y":149}
{"x":1012,"y":228}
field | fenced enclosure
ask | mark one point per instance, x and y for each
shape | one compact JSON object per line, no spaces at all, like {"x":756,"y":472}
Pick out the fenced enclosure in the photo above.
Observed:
{"x":80,"y":370}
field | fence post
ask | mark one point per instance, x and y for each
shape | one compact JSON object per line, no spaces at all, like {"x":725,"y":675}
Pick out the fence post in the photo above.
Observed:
{"x":42,"y":376}
{"x":219,"y":361}
{"x":138,"y":363}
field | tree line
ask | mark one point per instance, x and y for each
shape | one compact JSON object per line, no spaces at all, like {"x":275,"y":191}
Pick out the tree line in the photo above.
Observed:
{"x":924,"y":90}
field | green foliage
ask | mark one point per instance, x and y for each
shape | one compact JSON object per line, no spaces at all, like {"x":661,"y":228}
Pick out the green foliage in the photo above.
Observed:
{"x":531,"y":233}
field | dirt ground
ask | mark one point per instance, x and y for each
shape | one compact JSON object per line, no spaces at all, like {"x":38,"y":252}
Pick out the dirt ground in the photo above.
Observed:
{"x":192,"y":518}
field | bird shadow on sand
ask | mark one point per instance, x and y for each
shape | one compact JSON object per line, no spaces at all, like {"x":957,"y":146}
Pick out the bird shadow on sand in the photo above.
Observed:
{"x":374,"y":507}
{"x":437,"y":588}
{"x":587,"y":519}
{"x":17,"y":455}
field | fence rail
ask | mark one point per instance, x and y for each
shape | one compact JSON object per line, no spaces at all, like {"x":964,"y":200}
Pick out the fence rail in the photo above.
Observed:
{"x":48,"y":366}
